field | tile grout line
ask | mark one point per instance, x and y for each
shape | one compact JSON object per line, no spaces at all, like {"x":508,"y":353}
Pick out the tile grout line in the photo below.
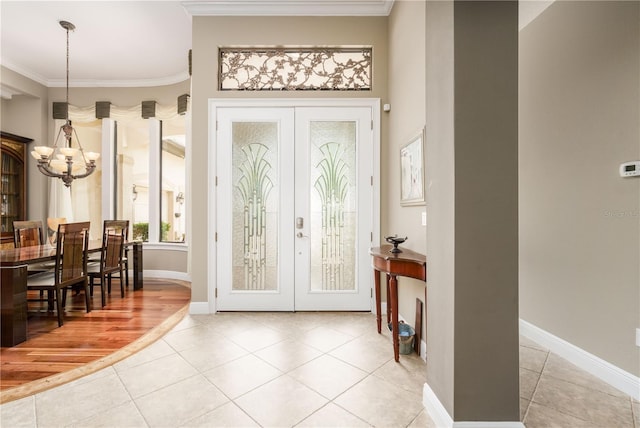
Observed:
{"x":535,"y":389}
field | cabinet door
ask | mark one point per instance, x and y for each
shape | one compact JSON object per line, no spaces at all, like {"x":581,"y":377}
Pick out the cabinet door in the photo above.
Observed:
{"x":13,"y":197}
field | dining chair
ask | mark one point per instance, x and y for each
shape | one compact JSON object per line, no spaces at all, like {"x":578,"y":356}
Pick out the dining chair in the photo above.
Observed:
{"x":27,"y":233}
{"x":70,"y":269}
{"x":114,"y":234}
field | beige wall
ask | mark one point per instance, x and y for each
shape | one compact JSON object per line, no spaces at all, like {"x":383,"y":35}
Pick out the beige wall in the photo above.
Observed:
{"x":440,"y":166}
{"x":580,"y":221}
{"x":211,"y":32}
{"x":406,"y":119}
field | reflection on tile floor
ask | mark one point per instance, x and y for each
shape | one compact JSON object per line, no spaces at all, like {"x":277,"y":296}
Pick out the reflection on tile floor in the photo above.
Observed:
{"x":302,"y":369}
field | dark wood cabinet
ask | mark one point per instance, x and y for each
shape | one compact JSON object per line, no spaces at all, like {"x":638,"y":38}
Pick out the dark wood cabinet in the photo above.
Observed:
{"x":13,"y":185}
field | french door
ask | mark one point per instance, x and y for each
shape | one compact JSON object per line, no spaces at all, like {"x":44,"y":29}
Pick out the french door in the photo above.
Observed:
{"x":294,"y":204}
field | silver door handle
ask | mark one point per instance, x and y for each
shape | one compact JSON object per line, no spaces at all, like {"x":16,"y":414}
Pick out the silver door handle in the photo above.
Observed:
{"x":301,"y":235}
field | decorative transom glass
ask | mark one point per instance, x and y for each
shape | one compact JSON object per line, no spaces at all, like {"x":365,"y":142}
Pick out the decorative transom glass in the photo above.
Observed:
{"x":295,"y":69}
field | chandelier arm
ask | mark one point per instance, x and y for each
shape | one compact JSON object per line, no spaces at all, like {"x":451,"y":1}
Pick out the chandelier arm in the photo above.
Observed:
{"x":44,"y":169}
{"x":90,"y":168}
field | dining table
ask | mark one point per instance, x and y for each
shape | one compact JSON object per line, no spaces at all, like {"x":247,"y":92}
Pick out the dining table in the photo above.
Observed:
{"x":14,"y":263}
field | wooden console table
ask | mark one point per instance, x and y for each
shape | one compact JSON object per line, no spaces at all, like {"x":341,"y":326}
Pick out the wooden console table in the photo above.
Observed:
{"x":407,"y":263}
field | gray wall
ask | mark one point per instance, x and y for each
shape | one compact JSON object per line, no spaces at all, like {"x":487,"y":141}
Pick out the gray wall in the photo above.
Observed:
{"x":580,"y":221}
{"x":472,"y":194}
{"x":26,"y":115}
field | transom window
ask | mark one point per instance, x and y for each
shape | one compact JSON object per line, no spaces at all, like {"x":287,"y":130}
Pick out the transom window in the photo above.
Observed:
{"x":294,"y":69}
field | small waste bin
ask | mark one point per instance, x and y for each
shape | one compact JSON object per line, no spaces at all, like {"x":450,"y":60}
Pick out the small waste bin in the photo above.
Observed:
{"x":406,"y":335}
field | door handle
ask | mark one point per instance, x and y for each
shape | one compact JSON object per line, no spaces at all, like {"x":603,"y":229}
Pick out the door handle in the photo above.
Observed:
{"x":301,"y":235}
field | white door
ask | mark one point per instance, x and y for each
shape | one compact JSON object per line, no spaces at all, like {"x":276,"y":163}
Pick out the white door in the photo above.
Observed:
{"x":294,"y":216}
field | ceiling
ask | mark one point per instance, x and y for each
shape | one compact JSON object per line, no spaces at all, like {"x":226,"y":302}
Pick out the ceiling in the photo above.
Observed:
{"x":139,"y":43}
{"x":129,"y":43}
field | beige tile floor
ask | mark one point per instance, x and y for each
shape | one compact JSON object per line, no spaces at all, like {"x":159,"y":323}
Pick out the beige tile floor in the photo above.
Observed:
{"x":303,"y":370}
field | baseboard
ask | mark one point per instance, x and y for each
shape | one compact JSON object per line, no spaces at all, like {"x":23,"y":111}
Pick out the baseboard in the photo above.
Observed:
{"x":607,"y":372}
{"x":199,"y":308}
{"x":434,"y":407}
{"x":166,"y":274}
{"x":496,"y":424}
{"x":441,"y":418}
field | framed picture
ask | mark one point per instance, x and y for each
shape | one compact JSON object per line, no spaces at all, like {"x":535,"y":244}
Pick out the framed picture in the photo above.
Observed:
{"x":412,"y":171}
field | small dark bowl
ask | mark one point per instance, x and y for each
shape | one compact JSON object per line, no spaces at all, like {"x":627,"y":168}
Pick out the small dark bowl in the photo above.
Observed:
{"x":395,"y":240}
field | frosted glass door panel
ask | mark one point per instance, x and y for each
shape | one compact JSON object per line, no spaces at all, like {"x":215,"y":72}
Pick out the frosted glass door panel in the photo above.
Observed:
{"x":255,"y":205}
{"x":333,"y":205}
{"x":254,"y":199}
{"x":334,"y":149}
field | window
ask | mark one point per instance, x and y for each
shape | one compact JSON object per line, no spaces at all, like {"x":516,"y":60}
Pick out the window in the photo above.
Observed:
{"x":141,"y":176}
{"x":173,"y":168}
{"x":132,"y":175}
{"x":293,"y":69}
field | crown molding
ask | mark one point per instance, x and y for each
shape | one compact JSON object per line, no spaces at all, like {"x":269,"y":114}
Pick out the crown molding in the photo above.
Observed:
{"x":24,"y":72}
{"x":289,"y":7}
{"x":91,"y":83}
{"x":139,"y":83}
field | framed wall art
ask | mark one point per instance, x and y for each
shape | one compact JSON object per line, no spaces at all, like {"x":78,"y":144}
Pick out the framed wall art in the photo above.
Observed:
{"x":412,"y":171}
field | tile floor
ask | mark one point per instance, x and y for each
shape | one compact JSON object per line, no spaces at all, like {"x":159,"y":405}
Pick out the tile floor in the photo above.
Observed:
{"x":303,"y":370}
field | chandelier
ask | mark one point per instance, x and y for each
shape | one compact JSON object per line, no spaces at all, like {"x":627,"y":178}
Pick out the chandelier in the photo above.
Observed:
{"x":65,"y":162}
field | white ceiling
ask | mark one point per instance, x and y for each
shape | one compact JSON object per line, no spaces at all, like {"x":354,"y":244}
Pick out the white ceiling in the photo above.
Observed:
{"x":129,"y":43}
{"x":139,"y":43}
{"x":116,"y":43}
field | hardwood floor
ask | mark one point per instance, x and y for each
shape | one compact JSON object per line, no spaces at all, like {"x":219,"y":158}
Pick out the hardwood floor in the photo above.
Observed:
{"x":88,"y":342}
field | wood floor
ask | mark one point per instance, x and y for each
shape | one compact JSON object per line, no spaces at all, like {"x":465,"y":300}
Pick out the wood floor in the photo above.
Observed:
{"x":88,"y":342}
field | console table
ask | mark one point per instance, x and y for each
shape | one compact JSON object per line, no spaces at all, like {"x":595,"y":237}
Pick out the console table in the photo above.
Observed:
{"x":407,"y":263}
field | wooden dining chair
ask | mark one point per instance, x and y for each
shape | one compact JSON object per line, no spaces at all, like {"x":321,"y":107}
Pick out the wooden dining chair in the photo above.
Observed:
{"x":114,"y":234}
{"x":70,"y":268}
{"x":27,"y":233}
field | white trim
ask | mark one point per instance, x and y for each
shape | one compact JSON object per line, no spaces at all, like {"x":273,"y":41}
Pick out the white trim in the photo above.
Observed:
{"x":493,"y":424}
{"x":108,"y":159}
{"x":155,"y":146}
{"x":165,"y":246}
{"x":434,"y":407}
{"x":214,"y":104}
{"x":199,"y":308}
{"x":607,"y":372}
{"x":289,"y":8}
{"x":441,"y":418}
{"x":165,"y":274}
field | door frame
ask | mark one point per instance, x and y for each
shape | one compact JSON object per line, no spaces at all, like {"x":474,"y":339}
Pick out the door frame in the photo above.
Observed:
{"x":215,"y":104}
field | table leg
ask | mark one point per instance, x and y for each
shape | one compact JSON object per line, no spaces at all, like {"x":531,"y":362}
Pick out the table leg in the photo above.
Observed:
{"x":137,"y":266}
{"x":393,"y":299}
{"x":388,"y":301}
{"x":14,"y":305}
{"x":376,"y":279}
